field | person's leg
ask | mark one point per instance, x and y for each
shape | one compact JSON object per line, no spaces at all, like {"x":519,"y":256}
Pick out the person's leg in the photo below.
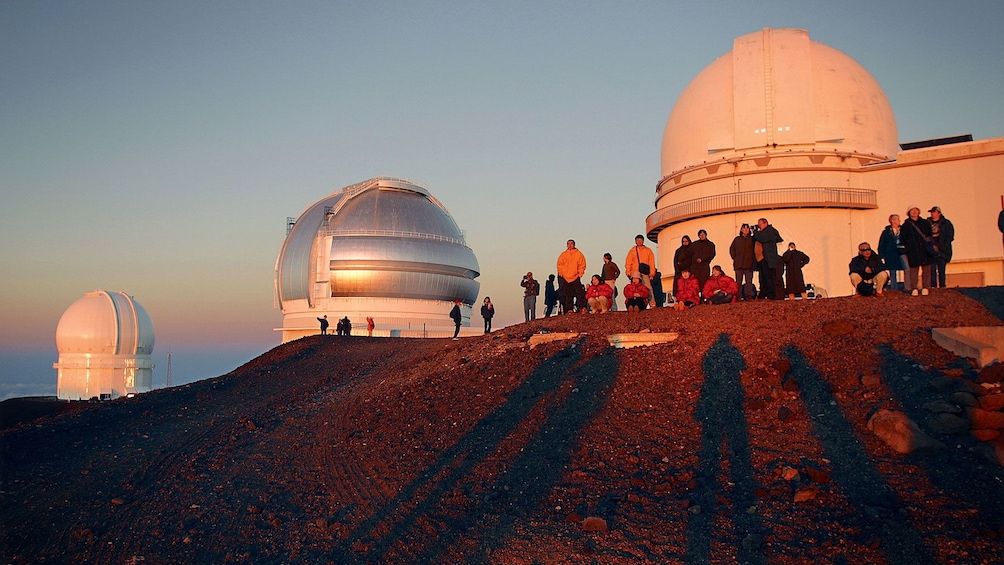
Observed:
{"x":647,"y":281}
{"x":564,"y":294}
{"x":778,"y":283}
{"x":456,"y":331}
{"x":880,"y":279}
{"x":533,"y":307}
{"x":613,"y":301}
{"x":855,"y":281}
{"x":942,"y":275}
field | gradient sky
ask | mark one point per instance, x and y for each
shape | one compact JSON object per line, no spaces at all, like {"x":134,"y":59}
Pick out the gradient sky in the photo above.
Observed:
{"x":158,"y":147}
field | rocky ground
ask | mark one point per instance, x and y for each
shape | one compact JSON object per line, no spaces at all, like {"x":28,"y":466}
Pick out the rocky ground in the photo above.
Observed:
{"x":766,"y":433}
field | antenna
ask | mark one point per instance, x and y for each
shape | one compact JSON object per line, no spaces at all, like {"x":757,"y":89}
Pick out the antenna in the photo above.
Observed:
{"x":168,"y":383}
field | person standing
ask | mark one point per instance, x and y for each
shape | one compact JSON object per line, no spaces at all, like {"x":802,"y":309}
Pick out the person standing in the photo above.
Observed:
{"x":768,"y":237}
{"x":704,"y":252}
{"x":457,"y":317}
{"x":943,"y":232}
{"x":794,"y":281}
{"x":550,"y":296}
{"x":640,"y":262}
{"x":487,"y":311}
{"x":743,"y":260}
{"x":892,"y":251}
{"x":531,"y":288}
{"x":571,"y":266}
{"x":916,"y":231}
{"x":324,"y":324}
{"x":370,"y":324}
{"x":683,"y":260}
{"x":346,"y":326}
{"x":610,"y":273}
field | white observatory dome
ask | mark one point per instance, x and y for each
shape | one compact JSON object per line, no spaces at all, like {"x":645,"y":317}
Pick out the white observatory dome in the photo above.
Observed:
{"x":384,"y":248}
{"x":104,"y":341}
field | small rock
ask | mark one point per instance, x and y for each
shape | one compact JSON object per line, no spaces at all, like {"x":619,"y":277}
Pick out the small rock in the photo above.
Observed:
{"x":871,"y":381}
{"x":752,"y":541}
{"x":986,"y":435}
{"x":991,"y":374}
{"x":788,"y":473}
{"x":803,"y":494}
{"x":942,"y":406}
{"x":117,"y":501}
{"x":817,"y":476}
{"x":948,"y":424}
{"x":594,"y":524}
{"x":901,"y":433}
{"x":992,"y":402}
{"x":963,"y":398}
{"x":985,"y":419}
{"x":695,"y":509}
{"x":954,"y":373}
{"x":789,"y":383}
{"x":783,"y":414}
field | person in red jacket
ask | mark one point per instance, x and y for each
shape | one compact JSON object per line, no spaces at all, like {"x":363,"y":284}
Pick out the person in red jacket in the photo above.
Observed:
{"x":599,"y":295}
{"x":720,"y":288}
{"x":636,"y":295}
{"x":688,"y":290}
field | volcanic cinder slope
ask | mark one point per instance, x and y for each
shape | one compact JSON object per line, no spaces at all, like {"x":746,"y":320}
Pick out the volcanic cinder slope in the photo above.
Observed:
{"x":745,"y":440}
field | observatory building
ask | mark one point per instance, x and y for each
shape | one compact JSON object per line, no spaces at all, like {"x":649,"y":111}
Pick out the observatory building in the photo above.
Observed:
{"x":104,"y":341}
{"x":789,"y":129}
{"x":384,"y":248}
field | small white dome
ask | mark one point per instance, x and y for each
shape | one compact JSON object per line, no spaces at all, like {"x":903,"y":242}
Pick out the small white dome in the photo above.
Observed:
{"x":105,"y":322}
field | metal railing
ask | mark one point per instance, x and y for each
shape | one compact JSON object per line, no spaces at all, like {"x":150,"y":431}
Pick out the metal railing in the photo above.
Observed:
{"x":391,"y":233}
{"x":803,"y":197}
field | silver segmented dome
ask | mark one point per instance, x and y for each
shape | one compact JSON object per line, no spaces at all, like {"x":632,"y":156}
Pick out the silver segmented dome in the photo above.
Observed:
{"x":388,"y":238}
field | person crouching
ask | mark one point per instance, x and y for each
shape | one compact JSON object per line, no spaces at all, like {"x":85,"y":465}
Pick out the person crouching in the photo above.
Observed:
{"x":599,"y":295}
{"x":720,"y":288}
{"x":636,"y":294}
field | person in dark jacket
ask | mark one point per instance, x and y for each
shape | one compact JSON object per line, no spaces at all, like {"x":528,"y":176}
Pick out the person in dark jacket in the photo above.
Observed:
{"x":768,"y":237}
{"x":867,"y":272}
{"x":610,"y":273}
{"x":943,"y":232}
{"x":743,"y":260}
{"x":683,"y":259}
{"x":550,"y":296}
{"x":915,"y":231}
{"x":704,"y":252}
{"x":892,"y":251}
{"x":346,"y":326}
{"x":794,"y":281}
{"x":457,"y":317}
{"x":324,"y":324}
{"x":487,"y":312}
{"x":531,"y":289}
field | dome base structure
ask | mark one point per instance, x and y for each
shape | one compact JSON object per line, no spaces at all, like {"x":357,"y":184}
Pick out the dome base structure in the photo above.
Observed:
{"x":105,"y":341}
{"x":384,"y":249}
{"x":793,"y":131}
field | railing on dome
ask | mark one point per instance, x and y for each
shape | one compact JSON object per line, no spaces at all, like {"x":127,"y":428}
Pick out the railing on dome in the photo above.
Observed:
{"x":391,"y":233}
{"x":803,"y":197}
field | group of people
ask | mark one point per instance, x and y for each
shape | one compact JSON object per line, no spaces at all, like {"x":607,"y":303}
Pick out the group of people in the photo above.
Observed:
{"x":643,"y":290}
{"x":753,"y":250}
{"x":918,"y":247}
{"x":344,"y":326}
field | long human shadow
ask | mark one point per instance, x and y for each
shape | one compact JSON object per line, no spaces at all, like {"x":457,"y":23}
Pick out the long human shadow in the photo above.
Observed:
{"x":395,"y":520}
{"x":965,"y":474}
{"x":525,"y":485}
{"x":720,"y":412}
{"x":853,"y":469}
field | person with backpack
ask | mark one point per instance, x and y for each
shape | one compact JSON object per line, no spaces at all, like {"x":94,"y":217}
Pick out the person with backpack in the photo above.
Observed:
{"x":640,"y":262}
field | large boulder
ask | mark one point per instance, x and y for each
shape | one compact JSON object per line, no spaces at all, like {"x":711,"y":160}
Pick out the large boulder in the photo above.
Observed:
{"x":901,"y":433}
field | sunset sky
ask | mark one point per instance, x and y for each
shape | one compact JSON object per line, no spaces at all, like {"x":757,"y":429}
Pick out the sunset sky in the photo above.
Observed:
{"x":158,"y":147}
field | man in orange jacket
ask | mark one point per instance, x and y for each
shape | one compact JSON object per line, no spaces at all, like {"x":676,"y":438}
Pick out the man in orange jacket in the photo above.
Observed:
{"x":641,"y":255}
{"x":571,"y":267}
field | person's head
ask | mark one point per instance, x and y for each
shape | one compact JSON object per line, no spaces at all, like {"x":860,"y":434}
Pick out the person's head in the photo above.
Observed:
{"x":702,"y":234}
{"x":791,"y":246}
{"x":864,"y":250}
{"x":607,"y":258}
{"x":488,"y":300}
{"x":762,"y":223}
{"x":744,"y":230}
{"x":570,"y":244}
{"x":935,"y":213}
{"x":595,"y":279}
{"x":894,"y":220}
{"x":685,"y":240}
{"x":325,"y":316}
{"x":913,"y":213}
{"x":550,"y":278}
{"x":636,"y":279}
{"x":639,"y":240}
{"x":685,"y":274}
{"x":716,"y":271}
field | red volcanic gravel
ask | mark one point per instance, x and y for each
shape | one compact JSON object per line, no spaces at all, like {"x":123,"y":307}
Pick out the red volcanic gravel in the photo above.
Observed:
{"x":746,"y":440}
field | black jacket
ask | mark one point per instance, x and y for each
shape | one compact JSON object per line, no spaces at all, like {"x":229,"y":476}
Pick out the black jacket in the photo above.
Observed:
{"x":859,"y":263}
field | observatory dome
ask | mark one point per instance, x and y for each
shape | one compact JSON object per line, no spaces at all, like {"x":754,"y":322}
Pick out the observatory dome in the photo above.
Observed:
{"x":778,"y":89}
{"x":384,"y":245}
{"x":104,"y":341}
{"x":107,"y":323}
